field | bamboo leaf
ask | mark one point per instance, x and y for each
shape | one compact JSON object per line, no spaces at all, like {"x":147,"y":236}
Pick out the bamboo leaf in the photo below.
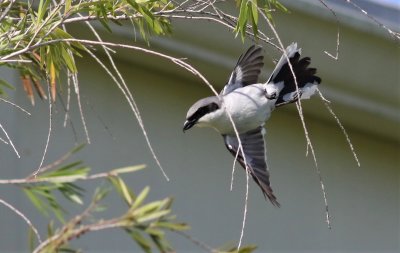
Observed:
{"x":125,"y":191}
{"x":161,"y":243}
{"x":142,"y":1}
{"x":141,"y":241}
{"x":78,"y":148}
{"x":72,"y":197}
{"x":152,"y":216}
{"x":173,"y":226}
{"x":35,"y":200}
{"x":254,"y":12}
{"x":100,"y":194}
{"x":148,"y":208}
{"x":254,"y":19}
{"x":247,"y":249}
{"x":242,"y":20}
{"x":128,"y":169}
{"x":122,"y":189}
{"x":243,"y":13}
{"x":140,"y":198}
{"x":155,"y":232}
{"x":67,"y":6}
{"x":31,"y":239}
{"x":6,"y":84}
{"x":68,"y":60}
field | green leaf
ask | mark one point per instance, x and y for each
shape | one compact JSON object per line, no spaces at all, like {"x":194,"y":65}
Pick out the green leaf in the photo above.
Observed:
{"x":140,"y":198}
{"x":122,"y":189}
{"x":75,"y":198}
{"x":31,"y":239}
{"x":67,"y":6}
{"x":242,"y":20}
{"x":231,"y":248}
{"x":155,"y":232}
{"x":100,"y":193}
{"x":68,"y":59}
{"x":78,"y":148}
{"x":67,"y":170}
{"x":152,"y":216}
{"x":247,"y":249}
{"x":125,"y":191}
{"x":42,"y":9}
{"x":6,"y":84}
{"x":281,"y":6}
{"x":141,"y":241}
{"x":254,"y":11}
{"x":128,"y":169}
{"x":148,"y":208}
{"x":161,"y":243}
{"x":50,"y":228}
{"x":35,"y":201}
{"x":173,"y":226}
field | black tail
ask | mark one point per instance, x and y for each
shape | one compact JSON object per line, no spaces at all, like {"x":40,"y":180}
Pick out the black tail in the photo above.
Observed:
{"x":282,"y":77}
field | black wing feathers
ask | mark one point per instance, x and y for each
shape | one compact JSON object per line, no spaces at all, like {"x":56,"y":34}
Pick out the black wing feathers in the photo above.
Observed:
{"x":254,"y":149}
{"x":246,"y":71}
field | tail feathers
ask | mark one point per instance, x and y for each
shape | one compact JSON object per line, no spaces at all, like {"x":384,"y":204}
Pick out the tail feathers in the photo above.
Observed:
{"x":266,"y":189}
{"x":268,"y":193}
{"x":282,"y":77}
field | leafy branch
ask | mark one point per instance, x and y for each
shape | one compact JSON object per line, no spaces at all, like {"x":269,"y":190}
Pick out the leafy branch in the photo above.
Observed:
{"x":23,"y":28}
{"x":146,"y":223}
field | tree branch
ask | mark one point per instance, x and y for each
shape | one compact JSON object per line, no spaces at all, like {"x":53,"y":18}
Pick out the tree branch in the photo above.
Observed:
{"x":23,"y":216}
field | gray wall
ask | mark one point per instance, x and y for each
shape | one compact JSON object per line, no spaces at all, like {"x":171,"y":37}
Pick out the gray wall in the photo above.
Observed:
{"x":364,"y":201}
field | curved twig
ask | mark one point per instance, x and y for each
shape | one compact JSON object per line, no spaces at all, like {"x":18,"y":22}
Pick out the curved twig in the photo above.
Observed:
{"x":23,"y":216}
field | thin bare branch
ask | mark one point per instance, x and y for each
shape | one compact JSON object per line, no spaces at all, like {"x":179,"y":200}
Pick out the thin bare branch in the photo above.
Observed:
{"x":54,"y":164}
{"x":219,"y":17}
{"x":5,"y":12}
{"x":246,"y":201}
{"x":4,"y":141}
{"x":380,"y":24}
{"x":75,"y":81}
{"x":15,"y":105}
{"x":129,"y":97}
{"x":9,"y":141}
{"x":48,"y":133}
{"x":23,"y":216}
{"x":299,"y":109}
{"x":67,"y":107}
{"x":336,"y":57}
{"x":196,"y":241}
{"x":233,"y":168}
{"x":326,"y":102}
{"x":16,"y":61}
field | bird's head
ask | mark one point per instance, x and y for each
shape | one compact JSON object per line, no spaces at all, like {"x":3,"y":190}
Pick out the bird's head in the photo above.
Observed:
{"x":198,"y":112}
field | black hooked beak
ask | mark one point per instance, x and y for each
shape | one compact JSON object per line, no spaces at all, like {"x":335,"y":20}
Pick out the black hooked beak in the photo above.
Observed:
{"x":188,"y":124}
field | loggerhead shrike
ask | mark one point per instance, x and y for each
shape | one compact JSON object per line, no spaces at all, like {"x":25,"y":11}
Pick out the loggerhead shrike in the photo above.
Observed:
{"x":250,"y":104}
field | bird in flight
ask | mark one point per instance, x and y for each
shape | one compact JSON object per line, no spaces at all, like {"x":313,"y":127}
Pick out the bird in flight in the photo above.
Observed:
{"x":250,"y":103}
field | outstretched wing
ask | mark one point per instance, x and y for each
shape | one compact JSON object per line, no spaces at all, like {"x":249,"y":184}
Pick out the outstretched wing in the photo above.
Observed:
{"x":282,"y":77}
{"x":246,"y":71}
{"x":253,"y":144}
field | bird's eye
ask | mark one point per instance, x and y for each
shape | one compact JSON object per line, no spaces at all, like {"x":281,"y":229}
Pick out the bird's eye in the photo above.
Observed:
{"x":203,"y":111}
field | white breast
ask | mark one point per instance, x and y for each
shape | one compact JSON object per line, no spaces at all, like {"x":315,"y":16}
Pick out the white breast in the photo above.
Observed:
{"x":248,"y":107}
